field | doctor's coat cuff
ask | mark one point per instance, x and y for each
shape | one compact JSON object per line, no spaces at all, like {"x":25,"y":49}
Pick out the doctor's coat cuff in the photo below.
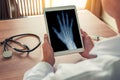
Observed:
{"x":38,"y":72}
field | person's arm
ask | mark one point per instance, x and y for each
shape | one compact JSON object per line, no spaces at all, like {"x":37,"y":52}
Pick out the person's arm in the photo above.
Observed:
{"x":39,"y":71}
{"x":45,"y":67}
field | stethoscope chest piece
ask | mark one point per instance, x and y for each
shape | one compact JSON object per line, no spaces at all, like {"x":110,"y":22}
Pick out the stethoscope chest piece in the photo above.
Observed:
{"x":7,"y":54}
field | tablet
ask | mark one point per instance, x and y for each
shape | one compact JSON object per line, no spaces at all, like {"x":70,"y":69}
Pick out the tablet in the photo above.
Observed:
{"x":63,"y":30}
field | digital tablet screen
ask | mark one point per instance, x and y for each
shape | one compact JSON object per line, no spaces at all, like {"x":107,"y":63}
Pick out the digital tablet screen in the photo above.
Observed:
{"x":63,"y":29}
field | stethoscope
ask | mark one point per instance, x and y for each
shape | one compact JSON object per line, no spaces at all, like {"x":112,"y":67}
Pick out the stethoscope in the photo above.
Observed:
{"x":7,"y":53}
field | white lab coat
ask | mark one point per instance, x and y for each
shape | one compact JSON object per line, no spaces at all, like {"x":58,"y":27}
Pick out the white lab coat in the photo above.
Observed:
{"x":105,"y":67}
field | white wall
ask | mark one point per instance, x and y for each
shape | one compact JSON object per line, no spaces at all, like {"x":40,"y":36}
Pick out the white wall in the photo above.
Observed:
{"x":78,"y":3}
{"x":109,"y":20}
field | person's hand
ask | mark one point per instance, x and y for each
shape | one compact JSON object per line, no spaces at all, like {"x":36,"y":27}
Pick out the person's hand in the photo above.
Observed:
{"x":48,"y":55}
{"x":88,"y":45}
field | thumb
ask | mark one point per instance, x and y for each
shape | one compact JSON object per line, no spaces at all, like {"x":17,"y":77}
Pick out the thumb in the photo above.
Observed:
{"x":46,"y":38}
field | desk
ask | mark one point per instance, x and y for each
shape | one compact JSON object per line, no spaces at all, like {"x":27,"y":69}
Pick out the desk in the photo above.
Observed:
{"x":14,"y":68}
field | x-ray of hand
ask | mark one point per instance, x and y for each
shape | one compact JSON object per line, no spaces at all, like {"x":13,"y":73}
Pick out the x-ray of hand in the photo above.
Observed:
{"x":66,"y":33}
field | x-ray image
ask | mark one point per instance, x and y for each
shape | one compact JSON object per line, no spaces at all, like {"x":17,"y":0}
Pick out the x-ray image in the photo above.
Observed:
{"x":63,"y":30}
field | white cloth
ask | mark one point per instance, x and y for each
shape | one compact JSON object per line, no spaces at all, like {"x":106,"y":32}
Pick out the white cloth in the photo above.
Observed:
{"x":105,"y":67}
{"x":110,"y":46}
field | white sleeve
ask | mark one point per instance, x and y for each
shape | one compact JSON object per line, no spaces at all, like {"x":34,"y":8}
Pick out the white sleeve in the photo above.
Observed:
{"x":110,"y":46}
{"x":38,"y":72}
{"x":101,"y":68}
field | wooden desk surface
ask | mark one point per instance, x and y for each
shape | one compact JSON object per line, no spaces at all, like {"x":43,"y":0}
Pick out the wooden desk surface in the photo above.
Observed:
{"x":14,"y":68}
